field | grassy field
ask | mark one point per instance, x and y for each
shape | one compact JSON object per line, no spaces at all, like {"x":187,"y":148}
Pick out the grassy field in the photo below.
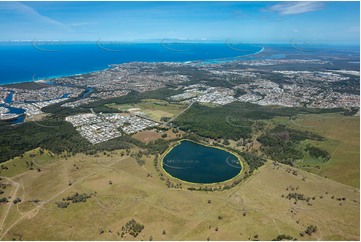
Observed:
{"x":147,"y":136}
{"x":122,"y":190}
{"x":343,"y":144}
{"x":153,"y":108}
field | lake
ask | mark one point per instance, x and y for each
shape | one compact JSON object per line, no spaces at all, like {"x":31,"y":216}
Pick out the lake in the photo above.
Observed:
{"x":196,"y":163}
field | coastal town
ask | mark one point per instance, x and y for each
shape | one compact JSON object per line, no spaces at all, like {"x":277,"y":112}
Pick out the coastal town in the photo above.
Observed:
{"x":300,"y":90}
{"x":5,"y":115}
{"x":290,"y":88}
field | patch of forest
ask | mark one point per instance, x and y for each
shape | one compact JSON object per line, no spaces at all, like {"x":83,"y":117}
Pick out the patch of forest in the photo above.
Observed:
{"x":281,"y":144}
{"x":234,"y":120}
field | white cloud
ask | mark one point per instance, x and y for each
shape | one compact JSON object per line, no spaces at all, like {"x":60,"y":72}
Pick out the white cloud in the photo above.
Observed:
{"x":31,"y":13}
{"x":288,"y":8}
{"x":80,"y":24}
{"x":354,"y":29}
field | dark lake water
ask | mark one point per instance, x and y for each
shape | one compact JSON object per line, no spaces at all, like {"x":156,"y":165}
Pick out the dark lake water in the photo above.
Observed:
{"x":192,"y":162}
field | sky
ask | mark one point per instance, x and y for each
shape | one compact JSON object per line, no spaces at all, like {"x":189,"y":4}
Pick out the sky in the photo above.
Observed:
{"x":256,"y":22}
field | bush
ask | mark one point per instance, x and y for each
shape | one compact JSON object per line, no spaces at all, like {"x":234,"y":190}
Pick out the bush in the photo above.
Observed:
{"x":311,"y":229}
{"x":132,"y":227}
{"x":283,"y":237}
{"x":317,"y":152}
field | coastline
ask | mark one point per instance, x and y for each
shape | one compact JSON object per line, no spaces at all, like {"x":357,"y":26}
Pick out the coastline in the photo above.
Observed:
{"x":46,"y":79}
{"x":259,"y":51}
{"x":108,"y":66}
{"x":222,"y":60}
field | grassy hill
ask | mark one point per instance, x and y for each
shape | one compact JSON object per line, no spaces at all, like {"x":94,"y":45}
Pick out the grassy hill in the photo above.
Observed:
{"x":121,"y":190}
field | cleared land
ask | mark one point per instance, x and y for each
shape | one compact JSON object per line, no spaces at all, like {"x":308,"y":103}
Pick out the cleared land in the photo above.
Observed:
{"x":122,"y":190}
{"x":147,"y":136}
{"x":153,"y":108}
{"x":343,"y":144}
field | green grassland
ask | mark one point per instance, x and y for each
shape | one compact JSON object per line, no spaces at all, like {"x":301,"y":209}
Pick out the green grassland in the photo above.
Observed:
{"x":342,"y":135}
{"x":253,"y":209}
{"x":153,"y":108}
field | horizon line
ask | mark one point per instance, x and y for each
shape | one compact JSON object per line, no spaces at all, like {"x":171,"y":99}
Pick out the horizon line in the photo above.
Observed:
{"x":172,"y":40}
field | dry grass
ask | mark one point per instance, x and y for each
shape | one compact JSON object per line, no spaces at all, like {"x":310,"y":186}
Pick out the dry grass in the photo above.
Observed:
{"x":147,"y":136}
{"x":182,"y":214}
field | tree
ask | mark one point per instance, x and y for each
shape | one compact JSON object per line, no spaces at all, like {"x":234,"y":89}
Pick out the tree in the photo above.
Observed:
{"x":311,"y":229}
{"x":284,"y":237}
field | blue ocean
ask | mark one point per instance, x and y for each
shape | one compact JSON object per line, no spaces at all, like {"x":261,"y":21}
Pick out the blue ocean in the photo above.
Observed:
{"x":29,"y":61}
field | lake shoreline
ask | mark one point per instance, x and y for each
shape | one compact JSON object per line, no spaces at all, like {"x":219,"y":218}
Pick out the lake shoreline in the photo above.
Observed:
{"x":179,"y":142}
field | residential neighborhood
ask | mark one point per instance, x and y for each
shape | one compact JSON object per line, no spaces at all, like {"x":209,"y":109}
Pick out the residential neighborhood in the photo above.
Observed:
{"x":97,"y":128}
